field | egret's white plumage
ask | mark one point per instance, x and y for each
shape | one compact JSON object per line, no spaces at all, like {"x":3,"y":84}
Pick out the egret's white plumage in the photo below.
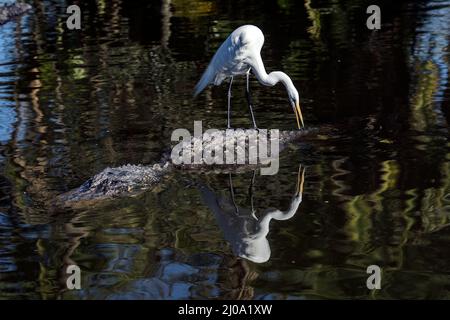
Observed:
{"x":240,"y":53}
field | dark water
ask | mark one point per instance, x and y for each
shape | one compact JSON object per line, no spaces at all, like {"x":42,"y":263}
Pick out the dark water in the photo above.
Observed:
{"x":375,"y":192}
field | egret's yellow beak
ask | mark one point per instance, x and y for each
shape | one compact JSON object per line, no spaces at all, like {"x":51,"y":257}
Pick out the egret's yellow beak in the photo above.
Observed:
{"x":298,"y":114}
{"x":300,"y":180}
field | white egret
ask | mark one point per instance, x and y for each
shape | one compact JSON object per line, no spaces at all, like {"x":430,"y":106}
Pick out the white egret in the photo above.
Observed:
{"x":241,"y":54}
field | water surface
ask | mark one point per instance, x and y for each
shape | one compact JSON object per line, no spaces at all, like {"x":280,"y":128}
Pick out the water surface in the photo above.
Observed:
{"x":377,"y":191}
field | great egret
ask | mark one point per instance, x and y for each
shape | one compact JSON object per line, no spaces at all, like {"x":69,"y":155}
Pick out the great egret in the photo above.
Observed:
{"x":239,"y":54}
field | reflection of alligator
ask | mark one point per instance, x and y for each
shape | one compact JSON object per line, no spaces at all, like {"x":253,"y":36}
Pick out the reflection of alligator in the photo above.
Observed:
{"x":246,"y":233}
{"x":132,"y":179}
{"x":10,"y":11}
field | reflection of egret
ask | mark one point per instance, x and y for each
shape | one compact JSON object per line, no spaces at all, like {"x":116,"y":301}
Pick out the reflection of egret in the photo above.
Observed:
{"x":239,"y":54}
{"x":242,"y":229}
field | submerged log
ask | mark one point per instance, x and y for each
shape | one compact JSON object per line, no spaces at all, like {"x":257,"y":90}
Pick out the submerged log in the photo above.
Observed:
{"x":131,"y":180}
{"x":13,"y":10}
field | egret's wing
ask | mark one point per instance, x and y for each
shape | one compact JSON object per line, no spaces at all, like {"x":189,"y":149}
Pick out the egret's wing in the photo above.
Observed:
{"x":232,"y":58}
{"x":216,"y":72}
{"x":208,"y":77}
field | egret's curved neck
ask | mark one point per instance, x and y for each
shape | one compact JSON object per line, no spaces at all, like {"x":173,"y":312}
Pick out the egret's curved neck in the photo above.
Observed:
{"x":272,"y":78}
{"x":263,"y":226}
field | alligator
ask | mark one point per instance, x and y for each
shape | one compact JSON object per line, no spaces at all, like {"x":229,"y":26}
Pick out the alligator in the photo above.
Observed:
{"x":131,"y":180}
{"x":10,"y":11}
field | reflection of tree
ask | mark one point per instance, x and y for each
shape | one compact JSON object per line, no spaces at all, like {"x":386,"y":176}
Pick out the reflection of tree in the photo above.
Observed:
{"x":422,"y":107}
{"x":314,"y":17}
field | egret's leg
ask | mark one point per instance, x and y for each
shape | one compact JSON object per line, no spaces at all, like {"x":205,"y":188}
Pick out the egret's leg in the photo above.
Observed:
{"x":250,"y":189}
{"x":229,"y":103}
{"x":232,"y":195}
{"x":249,"y":99}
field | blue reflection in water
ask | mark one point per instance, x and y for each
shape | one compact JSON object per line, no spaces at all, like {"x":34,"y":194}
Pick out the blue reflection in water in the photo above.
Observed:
{"x":7,"y":263}
{"x":432,"y":42}
{"x":8,"y":114}
{"x":177,"y":279}
{"x":174,"y":276}
{"x":119,"y":257}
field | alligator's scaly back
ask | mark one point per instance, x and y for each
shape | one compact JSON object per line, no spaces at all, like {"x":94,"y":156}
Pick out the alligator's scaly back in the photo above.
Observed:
{"x":133,"y":179}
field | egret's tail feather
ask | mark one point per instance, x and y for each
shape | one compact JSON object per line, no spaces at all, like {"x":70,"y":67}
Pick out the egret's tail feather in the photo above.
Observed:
{"x":206,"y":79}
